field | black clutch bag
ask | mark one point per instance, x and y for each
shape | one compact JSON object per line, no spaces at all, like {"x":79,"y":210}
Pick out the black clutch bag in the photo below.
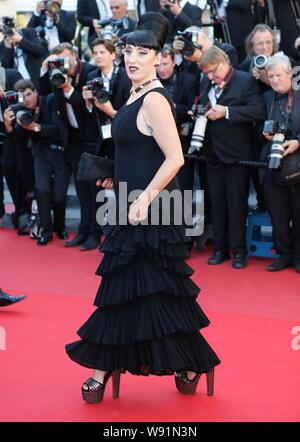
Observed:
{"x":91,"y":168}
{"x":289,"y":172}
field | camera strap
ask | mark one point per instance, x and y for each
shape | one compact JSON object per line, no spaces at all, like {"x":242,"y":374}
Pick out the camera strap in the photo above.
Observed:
{"x":288,"y":107}
{"x":78,"y":71}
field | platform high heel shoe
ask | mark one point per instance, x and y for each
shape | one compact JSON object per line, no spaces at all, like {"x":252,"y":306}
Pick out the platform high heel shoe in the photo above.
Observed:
{"x":189,"y":387}
{"x":95,"y":390}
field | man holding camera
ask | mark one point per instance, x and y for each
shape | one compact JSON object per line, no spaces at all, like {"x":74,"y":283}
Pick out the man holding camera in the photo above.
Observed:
{"x":122,"y":23}
{"x":58,"y":25}
{"x":37,"y":126}
{"x":282,"y":130}
{"x":232,"y":101}
{"x":21,"y":49}
{"x":8,"y":155}
{"x":66,"y":75}
{"x":181,"y":14}
{"x":89,"y":12}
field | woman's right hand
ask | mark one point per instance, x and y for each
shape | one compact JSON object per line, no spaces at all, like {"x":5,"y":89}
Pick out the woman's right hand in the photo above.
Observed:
{"x":107,"y":183}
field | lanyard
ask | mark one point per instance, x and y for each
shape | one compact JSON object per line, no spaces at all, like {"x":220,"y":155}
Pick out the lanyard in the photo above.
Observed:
{"x":288,"y":107}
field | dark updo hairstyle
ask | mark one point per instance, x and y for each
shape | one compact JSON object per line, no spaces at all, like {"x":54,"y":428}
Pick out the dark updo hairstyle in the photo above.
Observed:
{"x":152,"y":32}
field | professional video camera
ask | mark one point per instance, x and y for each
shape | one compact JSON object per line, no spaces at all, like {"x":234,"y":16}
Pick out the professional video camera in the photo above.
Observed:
{"x":96,"y":86}
{"x":279,"y":132}
{"x":8,"y":25}
{"x":190,"y":41}
{"x":14,"y":101}
{"x":200,"y":119}
{"x":51,"y":6}
{"x":260,"y":61}
{"x":57,"y":69}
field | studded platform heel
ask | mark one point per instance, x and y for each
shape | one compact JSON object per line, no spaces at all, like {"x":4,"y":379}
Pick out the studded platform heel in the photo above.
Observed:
{"x":187,"y":386}
{"x":95,"y":391}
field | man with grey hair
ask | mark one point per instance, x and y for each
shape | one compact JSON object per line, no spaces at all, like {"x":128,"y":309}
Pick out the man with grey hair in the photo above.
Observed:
{"x":233,"y":103}
{"x":283,"y":202}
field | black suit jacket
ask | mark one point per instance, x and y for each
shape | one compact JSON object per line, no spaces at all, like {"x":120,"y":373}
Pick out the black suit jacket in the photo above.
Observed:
{"x":33,"y":50}
{"x":240,"y":21}
{"x":12,"y":76}
{"x":268,"y":98}
{"x":189,"y":16}
{"x":87,"y":11}
{"x":231,"y":139}
{"x":151,"y":5}
{"x":66,"y":26}
{"x":184,"y":93}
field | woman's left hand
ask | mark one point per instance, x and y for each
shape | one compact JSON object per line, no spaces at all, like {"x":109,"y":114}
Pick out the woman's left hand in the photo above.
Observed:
{"x":138,"y":210}
{"x":290,"y":147}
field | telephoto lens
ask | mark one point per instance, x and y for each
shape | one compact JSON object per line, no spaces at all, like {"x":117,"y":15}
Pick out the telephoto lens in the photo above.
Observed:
{"x":260,"y":61}
{"x":199,"y":129}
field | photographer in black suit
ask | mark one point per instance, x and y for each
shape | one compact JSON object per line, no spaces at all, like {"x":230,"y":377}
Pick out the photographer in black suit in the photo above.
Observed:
{"x":40,"y":130}
{"x":89,"y":12}
{"x":233,"y":102}
{"x":144,"y":6}
{"x":23,"y":50}
{"x":73,"y":122}
{"x":180,"y":17}
{"x":112,"y":86}
{"x":8,"y":153}
{"x":283,"y":202}
{"x":58,"y":25}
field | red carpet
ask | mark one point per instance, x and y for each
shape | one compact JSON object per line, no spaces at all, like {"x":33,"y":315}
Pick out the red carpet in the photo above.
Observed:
{"x":252,"y":311}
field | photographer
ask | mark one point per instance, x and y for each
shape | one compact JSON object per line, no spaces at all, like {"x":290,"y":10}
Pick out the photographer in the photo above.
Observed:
{"x":107,"y":89}
{"x":122,"y":23}
{"x":188,"y":56}
{"x":8,"y":154}
{"x":89,"y":12}
{"x":283,"y":201}
{"x":66,"y":75}
{"x":58,"y":25}
{"x":37,"y":126}
{"x":21,"y":49}
{"x":233,"y":102}
{"x":180,"y":14}
{"x":260,"y":44}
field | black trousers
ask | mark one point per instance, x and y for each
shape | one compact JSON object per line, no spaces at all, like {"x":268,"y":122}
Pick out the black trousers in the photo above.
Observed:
{"x":52,"y":175}
{"x":2,"y":211}
{"x":229,"y":190}
{"x":283,"y":204}
{"x":17,"y":168}
{"x":86,"y":193}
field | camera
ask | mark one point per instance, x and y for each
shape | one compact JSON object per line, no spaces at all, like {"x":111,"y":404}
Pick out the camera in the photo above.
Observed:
{"x":260,"y":61}
{"x":190,"y":41}
{"x":14,"y":102}
{"x":58,"y":68}
{"x":96,"y":86}
{"x":279,"y":132}
{"x":199,"y":112}
{"x":8,"y":25}
{"x":109,"y":25}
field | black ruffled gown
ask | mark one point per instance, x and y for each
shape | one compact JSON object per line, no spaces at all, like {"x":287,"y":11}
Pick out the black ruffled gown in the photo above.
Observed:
{"x":147,"y":317}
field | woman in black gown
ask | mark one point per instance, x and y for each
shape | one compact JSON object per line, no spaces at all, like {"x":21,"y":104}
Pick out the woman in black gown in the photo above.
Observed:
{"x":147,"y":318}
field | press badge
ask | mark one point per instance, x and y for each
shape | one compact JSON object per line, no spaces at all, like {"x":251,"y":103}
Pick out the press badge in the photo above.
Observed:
{"x":106,"y":131}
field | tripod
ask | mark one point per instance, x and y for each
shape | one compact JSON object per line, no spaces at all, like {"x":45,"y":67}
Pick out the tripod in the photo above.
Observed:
{"x":219,"y":20}
{"x":296,"y":11}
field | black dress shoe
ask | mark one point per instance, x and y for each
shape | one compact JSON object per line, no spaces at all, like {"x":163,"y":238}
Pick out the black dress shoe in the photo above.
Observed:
{"x":6,"y":299}
{"x":239,"y":261}
{"x":297,"y":267}
{"x":62,"y":235}
{"x":282,"y":263}
{"x":218,"y":257}
{"x":76,"y":241}
{"x":44,"y":240}
{"x":90,"y":244}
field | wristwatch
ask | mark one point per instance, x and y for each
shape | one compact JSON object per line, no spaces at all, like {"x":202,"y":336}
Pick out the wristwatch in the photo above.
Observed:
{"x":37,"y":128}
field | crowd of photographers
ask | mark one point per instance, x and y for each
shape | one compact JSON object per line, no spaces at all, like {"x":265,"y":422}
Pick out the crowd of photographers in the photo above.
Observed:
{"x":235,"y":103}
